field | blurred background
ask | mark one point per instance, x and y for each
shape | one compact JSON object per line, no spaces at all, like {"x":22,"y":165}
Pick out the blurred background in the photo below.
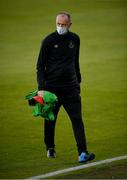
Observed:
{"x":102,"y":27}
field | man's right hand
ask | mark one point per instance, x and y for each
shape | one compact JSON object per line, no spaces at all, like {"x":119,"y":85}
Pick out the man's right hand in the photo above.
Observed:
{"x":41,"y":93}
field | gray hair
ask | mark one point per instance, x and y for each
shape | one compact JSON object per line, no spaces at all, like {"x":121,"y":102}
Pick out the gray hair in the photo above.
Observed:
{"x":63,"y":13}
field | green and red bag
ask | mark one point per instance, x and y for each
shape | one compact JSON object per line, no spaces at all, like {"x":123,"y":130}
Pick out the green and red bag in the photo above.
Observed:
{"x":42,"y":106}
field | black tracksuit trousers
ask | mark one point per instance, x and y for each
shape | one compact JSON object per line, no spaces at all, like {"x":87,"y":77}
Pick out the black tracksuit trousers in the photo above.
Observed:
{"x":71,"y":101}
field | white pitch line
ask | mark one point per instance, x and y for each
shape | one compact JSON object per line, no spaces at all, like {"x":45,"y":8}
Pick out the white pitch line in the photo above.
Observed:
{"x":77,"y":167}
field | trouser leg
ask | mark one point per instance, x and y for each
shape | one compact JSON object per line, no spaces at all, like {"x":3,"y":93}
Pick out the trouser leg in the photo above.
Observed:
{"x":73,"y":107}
{"x":49,"y":129}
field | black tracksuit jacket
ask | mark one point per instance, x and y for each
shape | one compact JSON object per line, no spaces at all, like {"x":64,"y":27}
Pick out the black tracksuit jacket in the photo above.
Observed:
{"x":58,"y":61}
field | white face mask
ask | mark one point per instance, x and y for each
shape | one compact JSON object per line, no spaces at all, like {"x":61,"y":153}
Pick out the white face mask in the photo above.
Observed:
{"x":61,"y":30}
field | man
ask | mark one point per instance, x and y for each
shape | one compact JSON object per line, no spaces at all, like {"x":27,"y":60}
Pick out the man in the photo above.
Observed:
{"x":58,"y":72}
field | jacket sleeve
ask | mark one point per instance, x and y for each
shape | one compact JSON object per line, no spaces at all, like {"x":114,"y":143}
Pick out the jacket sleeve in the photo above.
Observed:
{"x":41,"y":66}
{"x":77,"y":67}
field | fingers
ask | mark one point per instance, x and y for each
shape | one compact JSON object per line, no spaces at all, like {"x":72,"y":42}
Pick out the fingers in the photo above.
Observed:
{"x":41,"y":93}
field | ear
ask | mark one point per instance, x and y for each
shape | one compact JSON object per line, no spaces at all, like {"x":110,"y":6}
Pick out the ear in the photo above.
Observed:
{"x":70,"y":25}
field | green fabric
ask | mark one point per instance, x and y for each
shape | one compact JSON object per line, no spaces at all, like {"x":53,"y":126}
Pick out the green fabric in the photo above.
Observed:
{"x":31,"y":95}
{"x":46,"y":110}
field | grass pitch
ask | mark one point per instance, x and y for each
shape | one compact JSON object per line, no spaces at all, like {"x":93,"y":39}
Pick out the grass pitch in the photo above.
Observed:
{"x":103,"y":61}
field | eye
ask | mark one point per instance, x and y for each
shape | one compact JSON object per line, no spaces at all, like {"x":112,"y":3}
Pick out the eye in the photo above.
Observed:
{"x":62,"y":25}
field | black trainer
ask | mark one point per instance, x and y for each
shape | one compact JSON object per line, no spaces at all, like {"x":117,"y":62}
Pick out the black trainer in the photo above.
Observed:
{"x":51,"y":153}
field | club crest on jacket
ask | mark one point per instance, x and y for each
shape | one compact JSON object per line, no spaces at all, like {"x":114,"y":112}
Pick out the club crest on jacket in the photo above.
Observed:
{"x":71,"y":44}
